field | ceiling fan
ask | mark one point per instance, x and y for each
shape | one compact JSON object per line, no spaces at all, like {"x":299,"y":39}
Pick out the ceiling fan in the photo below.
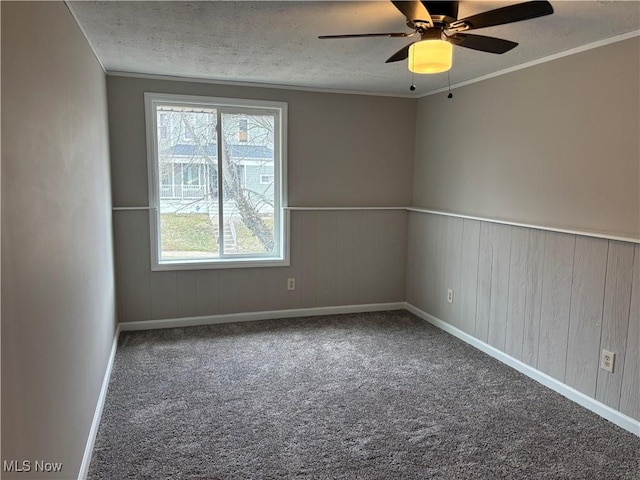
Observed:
{"x":439,"y":28}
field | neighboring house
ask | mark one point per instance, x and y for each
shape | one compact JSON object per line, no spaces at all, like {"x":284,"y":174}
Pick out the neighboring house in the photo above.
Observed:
{"x":189,"y":162}
{"x":189,"y":180}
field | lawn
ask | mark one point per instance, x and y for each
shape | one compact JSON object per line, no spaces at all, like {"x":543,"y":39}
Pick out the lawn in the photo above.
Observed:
{"x":187,"y":232}
{"x":193,"y":232}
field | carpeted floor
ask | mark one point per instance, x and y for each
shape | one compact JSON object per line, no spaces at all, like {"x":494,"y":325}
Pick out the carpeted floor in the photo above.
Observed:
{"x":363,"y":396}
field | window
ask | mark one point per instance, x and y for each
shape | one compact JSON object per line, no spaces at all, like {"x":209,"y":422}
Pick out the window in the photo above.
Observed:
{"x":243,"y":132}
{"x":266,"y":179}
{"x":163,"y":128}
{"x":217,"y":197}
{"x":189,"y":125}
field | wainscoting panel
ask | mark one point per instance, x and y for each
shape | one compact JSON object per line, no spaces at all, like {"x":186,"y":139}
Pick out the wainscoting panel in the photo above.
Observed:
{"x":551,"y":300}
{"x":488,"y":238}
{"x":164,"y":295}
{"x":417,"y":273}
{"x":517,"y":292}
{"x":133,"y":265}
{"x":453,"y":250}
{"x":557,"y":271}
{"x":585,"y":325}
{"x":207,"y":281}
{"x":327,"y":255}
{"x":533,"y":302}
{"x":499,"y":286}
{"x":186,"y":283}
{"x":305,"y":257}
{"x":440,"y":290}
{"x":338,"y":257}
{"x":435,"y":227}
{"x":629,"y":397}
{"x":468,"y":294}
{"x":615,"y":320}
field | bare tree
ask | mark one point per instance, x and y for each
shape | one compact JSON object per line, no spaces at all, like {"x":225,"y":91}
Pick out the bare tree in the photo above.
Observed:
{"x":249,"y":203}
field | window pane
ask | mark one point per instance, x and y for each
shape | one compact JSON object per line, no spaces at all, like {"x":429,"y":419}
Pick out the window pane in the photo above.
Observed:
{"x":218,"y":182}
{"x":248,"y":204}
{"x":188,"y":190}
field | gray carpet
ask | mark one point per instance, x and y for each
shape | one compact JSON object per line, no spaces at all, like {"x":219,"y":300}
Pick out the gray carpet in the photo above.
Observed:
{"x":366,"y":396}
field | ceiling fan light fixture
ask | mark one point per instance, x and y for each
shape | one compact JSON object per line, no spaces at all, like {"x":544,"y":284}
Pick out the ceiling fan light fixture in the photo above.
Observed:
{"x":430,"y":56}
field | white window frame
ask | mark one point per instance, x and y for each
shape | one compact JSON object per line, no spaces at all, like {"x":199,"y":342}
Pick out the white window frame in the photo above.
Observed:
{"x":281,"y":214}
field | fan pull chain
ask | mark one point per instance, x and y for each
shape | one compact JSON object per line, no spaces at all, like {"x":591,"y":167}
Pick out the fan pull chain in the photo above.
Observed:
{"x":412,"y":87}
{"x":449,"y":82}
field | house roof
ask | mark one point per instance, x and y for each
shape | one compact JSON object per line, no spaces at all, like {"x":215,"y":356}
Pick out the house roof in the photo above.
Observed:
{"x":235,"y":151}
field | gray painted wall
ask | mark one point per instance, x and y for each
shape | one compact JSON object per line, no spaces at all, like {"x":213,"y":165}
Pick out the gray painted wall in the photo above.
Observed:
{"x":343,"y":150}
{"x":555,"y":144}
{"x":58,"y":305}
{"x":552,"y":145}
{"x":337,"y":258}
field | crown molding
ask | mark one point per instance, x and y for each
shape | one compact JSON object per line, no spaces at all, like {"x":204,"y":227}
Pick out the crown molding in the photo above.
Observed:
{"x":549,"y":58}
{"x":176,"y":78}
{"x":84,"y":34}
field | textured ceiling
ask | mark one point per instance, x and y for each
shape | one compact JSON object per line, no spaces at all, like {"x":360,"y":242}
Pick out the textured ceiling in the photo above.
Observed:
{"x":277,"y":42}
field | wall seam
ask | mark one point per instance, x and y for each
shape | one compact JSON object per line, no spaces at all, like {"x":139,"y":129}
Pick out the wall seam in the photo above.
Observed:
{"x":626,"y":338}
{"x":544,"y":260}
{"x":566,"y":353}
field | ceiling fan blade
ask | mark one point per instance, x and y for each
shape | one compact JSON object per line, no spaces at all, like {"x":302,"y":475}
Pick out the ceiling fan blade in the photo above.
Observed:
{"x":482,"y":43}
{"x":359,"y":35}
{"x":510,"y":14}
{"x":401,"y":54}
{"x":414,"y":11}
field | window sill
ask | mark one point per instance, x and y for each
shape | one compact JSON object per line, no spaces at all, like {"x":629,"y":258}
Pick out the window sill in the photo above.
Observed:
{"x":220,"y":264}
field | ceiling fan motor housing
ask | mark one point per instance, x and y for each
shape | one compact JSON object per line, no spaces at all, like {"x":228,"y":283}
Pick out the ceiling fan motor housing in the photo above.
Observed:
{"x":445,"y":12}
{"x":431,"y":34}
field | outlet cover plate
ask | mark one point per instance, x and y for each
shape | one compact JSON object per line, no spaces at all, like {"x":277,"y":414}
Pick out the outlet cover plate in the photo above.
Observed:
{"x":607,"y":360}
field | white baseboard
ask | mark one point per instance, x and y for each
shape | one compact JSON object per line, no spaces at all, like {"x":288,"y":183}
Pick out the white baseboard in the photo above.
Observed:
{"x":580,"y":398}
{"x":253,"y":316}
{"x":97,"y":415}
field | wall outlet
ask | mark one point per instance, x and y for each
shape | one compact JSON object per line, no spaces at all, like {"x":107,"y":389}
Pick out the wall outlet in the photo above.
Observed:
{"x":607,"y":360}
{"x":450,"y":296}
{"x":291,"y":283}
